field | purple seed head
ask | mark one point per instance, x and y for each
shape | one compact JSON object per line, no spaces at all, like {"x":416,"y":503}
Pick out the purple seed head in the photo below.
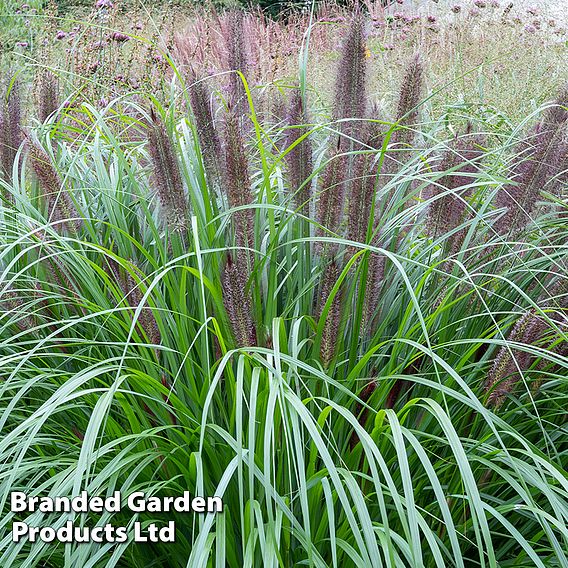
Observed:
{"x":350,"y":85}
{"x":200,"y":101}
{"x":48,"y":96}
{"x":167,"y":175}
{"x":237,"y":300}
{"x":237,"y":181}
{"x":10,"y":123}
{"x":510,"y":364}
{"x":60,"y":207}
{"x":330,"y":331}
{"x":236,"y":60}
{"x":299,"y":159}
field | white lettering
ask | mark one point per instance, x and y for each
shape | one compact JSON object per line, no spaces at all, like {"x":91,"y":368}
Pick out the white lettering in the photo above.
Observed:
{"x":18,"y":501}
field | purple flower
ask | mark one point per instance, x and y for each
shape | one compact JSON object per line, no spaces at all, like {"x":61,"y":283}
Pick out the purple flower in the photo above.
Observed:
{"x":432,"y":19}
{"x":494,"y":3}
{"x":104,"y":4}
{"x":530,"y":29}
{"x":22,"y":44}
{"x":24,"y":7}
{"x":474,"y":12}
{"x":119,"y":37}
{"x":60,"y":35}
{"x":456,"y":8}
{"x":533,"y":11}
{"x":480,"y":3}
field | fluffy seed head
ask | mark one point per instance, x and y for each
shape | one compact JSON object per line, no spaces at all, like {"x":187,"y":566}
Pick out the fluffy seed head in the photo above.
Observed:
{"x":237,"y":301}
{"x":299,"y":159}
{"x":350,"y":85}
{"x":448,"y":210}
{"x":48,"y":95}
{"x":510,"y":364}
{"x":60,"y":207}
{"x":10,"y":125}
{"x":236,"y":59}
{"x":237,"y":180}
{"x":167,"y":176}
{"x":331,"y":199}
{"x":541,"y":159}
{"x":410,"y":96}
{"x":332,"y":323}
{"x":208,"y":138}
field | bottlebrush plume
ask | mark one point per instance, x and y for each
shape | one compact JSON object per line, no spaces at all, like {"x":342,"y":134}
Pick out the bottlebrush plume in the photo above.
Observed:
{"x":407,"y":115}
{"x":237,"y":182}
{"x":10,"y":126}
{"x":237,"y":301}
{"x":236,"y":60}
{"x":329,"y":212}
{"x":511,"y":363}
{"x":48,"y":95}
{"x":12,"y":305}
{"x":60,"y":207}
{"x":208,"y":138}
{"x":330,"y":331}
{"x":448,"y":209}
{"x":373,"y":287}
{"x":541,"y":161}
{"x":351,"y":82}
{"x":411,"y":91}
{"x":133,"y":297}
{"x":362,"y":187}
{"x":167,"y":176}
{"x":299,"y":159}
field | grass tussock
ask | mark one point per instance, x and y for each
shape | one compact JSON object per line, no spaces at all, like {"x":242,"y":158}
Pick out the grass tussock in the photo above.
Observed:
{"x":347,"y":320}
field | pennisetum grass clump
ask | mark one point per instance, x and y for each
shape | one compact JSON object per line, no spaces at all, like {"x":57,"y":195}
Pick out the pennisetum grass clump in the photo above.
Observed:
{"x":167,"y":176}
{"x":334,"y":411}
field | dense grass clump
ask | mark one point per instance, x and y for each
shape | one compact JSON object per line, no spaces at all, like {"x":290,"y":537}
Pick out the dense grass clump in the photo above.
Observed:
{"x":349,"y":325}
